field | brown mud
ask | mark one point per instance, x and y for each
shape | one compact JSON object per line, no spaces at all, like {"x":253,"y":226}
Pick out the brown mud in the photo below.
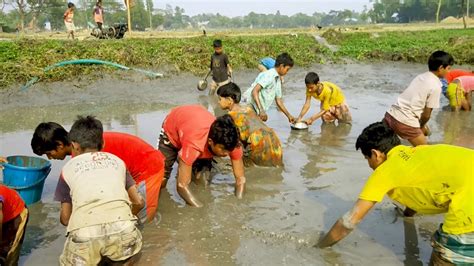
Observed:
{"x":284,"y":210}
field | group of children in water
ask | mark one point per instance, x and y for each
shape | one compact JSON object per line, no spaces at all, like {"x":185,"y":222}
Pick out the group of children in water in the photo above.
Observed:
{"x":113,"y":180}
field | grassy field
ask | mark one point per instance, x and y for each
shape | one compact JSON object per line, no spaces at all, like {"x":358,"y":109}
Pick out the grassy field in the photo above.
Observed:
{"x":25,"y":57}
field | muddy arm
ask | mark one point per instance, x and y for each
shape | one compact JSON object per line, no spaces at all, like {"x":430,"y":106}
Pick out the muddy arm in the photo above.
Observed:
{"x":282,"y":108}
{"x":137,"y":201}
{"x":305,"y":108}
{"x":255,"y":93}
{"x":184,"y":178}
{"x":347,"y":223}
{"x":425,"y":116}
{"x":314,"y":117}
{"x":65,"y":214}
{"x":238,"y":169}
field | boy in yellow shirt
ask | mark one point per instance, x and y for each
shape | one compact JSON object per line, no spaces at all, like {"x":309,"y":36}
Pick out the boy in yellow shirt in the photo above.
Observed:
{"x":427,"y":179}
{"x":333,"y":103}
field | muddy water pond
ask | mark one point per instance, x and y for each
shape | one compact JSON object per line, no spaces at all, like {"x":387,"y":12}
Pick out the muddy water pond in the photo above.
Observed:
{"x":284,"y":210}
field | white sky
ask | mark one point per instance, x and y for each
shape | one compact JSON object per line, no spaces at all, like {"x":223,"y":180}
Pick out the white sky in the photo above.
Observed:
{"x":234,"y":8}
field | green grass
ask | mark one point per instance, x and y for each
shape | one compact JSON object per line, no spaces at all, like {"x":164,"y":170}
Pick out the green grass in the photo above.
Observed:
{"x":412,"y":46}
{"x":25,"y":58}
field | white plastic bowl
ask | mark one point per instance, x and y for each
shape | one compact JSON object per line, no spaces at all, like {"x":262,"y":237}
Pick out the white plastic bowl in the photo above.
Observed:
{"x":299,"y":126}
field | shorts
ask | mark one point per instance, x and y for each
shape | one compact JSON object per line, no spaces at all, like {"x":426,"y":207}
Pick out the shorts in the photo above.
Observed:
{"x":402,"y":130}
{"x":117,"y":241}
{"x":457,"y":249}
{"x":69,"y":26}
{"x":340,"y":112}
{"x":171,"y":155}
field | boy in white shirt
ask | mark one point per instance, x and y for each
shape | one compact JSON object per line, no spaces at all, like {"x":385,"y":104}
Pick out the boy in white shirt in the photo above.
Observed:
{"x":98,"y":201}
{"x":410,"y":114}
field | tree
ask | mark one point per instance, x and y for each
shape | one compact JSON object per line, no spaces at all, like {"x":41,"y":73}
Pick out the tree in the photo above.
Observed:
{"x":437,"y":11}
{"x":149,"y":8}
{"x":20,"y":6}
{"x":463,"y":10}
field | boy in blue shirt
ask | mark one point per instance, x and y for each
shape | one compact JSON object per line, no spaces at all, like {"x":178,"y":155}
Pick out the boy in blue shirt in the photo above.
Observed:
{"x":267,"y":88}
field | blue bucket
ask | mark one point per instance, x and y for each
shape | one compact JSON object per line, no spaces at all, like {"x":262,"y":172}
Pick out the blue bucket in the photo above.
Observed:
{"x":26,"y":175}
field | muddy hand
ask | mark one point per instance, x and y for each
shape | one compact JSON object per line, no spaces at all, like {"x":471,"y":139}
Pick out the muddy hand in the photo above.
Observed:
{"x":239,"y":191}
{"x":240,"y":187}
{"x":318,"y":239}
{"x":292,"y":119}
{"x":186,"y":194}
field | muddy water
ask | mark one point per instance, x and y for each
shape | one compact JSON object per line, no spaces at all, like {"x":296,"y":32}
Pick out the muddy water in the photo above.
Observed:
{"x":284,"y":210}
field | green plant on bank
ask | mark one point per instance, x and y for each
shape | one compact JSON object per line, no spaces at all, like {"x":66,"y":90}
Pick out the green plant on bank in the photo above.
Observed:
{"x":25,"y":58}
{"x":411,"y":46}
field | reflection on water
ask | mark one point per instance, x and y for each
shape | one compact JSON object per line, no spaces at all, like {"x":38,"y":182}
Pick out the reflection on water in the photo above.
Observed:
{"x":284,"y":209}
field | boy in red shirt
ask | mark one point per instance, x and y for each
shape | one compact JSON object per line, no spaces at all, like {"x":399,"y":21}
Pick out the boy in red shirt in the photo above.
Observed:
{"x":14,"y":216}
{"x":144,"y":163}
{"x":193,"y":136}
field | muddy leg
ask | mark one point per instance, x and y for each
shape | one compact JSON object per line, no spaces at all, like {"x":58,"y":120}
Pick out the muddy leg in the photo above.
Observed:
{"x":419,"y":140}
{"x":437,"y":260}
{"x":171,"y":154}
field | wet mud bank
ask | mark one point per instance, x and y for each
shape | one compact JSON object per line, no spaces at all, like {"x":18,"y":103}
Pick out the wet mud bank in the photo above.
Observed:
{"x":284,"y":210}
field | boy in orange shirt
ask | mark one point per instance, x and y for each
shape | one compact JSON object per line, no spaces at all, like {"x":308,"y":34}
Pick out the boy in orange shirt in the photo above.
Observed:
{"x":14,"y":217}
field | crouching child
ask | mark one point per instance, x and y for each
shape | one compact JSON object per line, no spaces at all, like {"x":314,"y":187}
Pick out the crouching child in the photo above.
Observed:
{"x":98,"y":201}
{"x":14,"y":217}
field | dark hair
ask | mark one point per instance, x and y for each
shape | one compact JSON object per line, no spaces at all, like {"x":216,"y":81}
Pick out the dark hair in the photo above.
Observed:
{"x":69,"y":5}
{"x":87,"y":132}
{"x":47,"y":137}
{"x":284,"y":59}
{"x":311,"y":78}
{"x":223,"y":131}
{"x":230,"y":90}
{"x":439,"y":58}
{"x":377,"y":136}
{"x":217,"y":43}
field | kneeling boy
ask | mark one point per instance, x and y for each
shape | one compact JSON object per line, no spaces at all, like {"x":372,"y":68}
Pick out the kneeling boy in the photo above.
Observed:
{"x":333,"y":103}
{"x":14,"y":217}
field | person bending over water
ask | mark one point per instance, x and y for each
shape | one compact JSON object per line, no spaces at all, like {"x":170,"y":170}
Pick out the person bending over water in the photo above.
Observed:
{"x":193,"y":136}
{"x":261,"y":143}
{"x":427,"y":179}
